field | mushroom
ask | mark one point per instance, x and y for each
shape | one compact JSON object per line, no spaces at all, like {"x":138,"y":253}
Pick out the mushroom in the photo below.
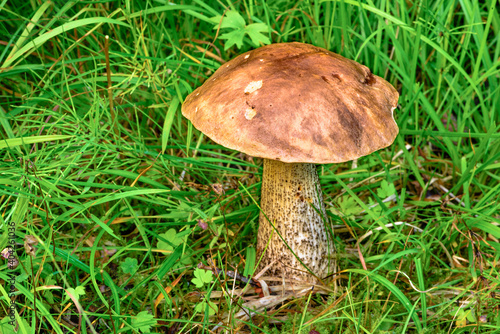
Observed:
{"x":295,"y":105}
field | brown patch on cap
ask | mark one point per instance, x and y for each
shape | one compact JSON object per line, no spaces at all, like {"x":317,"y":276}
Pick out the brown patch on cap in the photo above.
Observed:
{"x":307,"y":104}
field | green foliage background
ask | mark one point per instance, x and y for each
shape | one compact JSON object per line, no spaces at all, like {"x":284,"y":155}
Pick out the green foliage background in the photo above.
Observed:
{"x":91,"y":190}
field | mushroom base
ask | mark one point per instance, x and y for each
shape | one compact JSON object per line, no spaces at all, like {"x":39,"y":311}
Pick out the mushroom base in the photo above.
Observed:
{"x":292,"y":200}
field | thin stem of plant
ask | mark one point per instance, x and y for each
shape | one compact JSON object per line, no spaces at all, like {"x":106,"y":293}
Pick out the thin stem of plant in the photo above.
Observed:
{"x":110,"y":90}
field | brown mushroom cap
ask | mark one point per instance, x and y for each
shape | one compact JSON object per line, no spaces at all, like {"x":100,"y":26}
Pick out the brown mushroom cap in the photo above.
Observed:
{"x":295,"y":102}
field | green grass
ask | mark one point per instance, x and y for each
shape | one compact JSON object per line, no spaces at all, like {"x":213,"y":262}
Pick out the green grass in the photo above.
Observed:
{"x":111,"y":205}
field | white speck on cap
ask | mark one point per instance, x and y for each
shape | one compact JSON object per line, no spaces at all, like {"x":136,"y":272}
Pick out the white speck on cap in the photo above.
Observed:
{"x":250,"y":113}
{"x":253,"y":86}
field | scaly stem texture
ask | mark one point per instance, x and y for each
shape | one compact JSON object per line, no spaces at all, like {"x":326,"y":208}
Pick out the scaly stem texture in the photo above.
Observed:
{"x":290,"y":192}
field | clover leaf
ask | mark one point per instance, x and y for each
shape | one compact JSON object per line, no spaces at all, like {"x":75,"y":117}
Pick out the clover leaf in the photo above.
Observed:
{"x":129,"y":265}
{"x":143,"y":321}
{"x":173,"y":240}
{"x":201,"y":277}
{"x":200,"y":308}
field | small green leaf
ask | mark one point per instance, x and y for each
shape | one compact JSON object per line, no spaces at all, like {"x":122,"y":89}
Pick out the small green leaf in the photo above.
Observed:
{"x":233,"y":37}
{"x":232,"y":19}
{"x":254,"y":31}
{"x":77,"y":292}
{"x":470,"y":316}
{"x":349,"y":206}
{"x":386,"y":189}
{"x":200,"y":308}
{"x":376,"y":210}
{"x":172,"y":238}
{"x":129,"y":265}
{"x":143,"y":321}
{"x":201,"y":277}
{"x":238,"y":28}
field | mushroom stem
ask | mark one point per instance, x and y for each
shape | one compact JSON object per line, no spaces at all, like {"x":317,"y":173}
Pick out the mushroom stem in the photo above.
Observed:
{"x":290,"y":194}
